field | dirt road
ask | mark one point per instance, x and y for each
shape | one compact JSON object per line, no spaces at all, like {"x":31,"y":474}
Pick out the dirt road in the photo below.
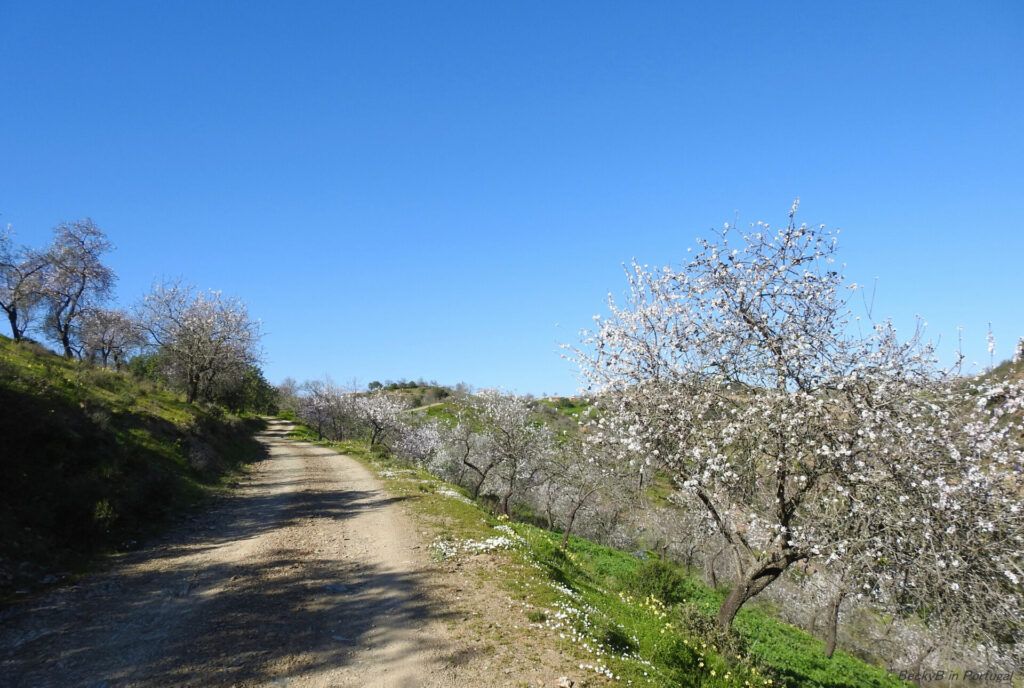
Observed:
{"x":308,"y":575}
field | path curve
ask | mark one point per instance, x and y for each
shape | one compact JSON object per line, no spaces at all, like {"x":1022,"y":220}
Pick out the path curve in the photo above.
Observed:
{"x":309,"y":574}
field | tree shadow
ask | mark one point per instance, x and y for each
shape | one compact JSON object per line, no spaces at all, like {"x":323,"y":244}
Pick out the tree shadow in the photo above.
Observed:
{"x":196,"y":619}
{"x":83,"y":476}
{"x":254,"y":623}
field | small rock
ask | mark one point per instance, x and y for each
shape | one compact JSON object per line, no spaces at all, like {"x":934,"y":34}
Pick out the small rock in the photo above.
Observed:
{"x":566,"y":682}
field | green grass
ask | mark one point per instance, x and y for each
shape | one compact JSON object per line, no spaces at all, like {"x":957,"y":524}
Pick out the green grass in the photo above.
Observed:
{"x":646,"y":639}
{"x":94,"y":460}
{"x":445,"y":412}
{"x":574,"y":407}
{"x":647,"y":622}
{"x":659,"y":489}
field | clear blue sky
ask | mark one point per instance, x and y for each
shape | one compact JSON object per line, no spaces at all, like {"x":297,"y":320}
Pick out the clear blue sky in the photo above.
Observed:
{"x":448,"y":190}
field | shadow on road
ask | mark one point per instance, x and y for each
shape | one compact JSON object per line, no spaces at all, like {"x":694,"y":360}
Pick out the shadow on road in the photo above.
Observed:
{"x":226,"y":599}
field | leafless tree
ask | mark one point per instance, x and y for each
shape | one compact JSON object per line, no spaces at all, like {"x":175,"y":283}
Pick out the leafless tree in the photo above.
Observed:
{"x":574,"y":472}
{"x":288,"y":395}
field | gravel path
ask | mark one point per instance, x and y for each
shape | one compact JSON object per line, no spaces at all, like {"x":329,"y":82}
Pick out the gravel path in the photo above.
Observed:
{"x":308,"y":575}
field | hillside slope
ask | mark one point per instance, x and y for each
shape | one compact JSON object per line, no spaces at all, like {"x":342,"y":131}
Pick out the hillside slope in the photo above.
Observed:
{"x":93,"y":459}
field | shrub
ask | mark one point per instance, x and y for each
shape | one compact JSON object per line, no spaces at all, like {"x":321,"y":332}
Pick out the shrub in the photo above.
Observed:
{"x":661,"y":579}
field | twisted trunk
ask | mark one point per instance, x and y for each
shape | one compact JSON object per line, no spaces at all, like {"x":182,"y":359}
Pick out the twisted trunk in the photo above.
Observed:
{"x":193,"y":389}
{"x":832,"y":630}
{"x":481,"y":473}
{"x":569,"y":524}
{"x":753,"y":582}
{"x":507,"y":496}
{"x":12,"y":317}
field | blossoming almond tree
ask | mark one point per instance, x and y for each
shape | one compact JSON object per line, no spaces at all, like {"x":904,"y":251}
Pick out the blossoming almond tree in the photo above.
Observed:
{"x":744,"y":376}
{"x":497,"y":443}
{"x":519,"y":444}
{"x":76,"y":279}
{"x":381,"y":413}
{"x":959,"y":527}
{"x":574,"y":476}
{"x":420,"y":443}
{"x":320,"y":405}
{"x":466,"y":456}
{"x":109,"y":336}
{"x":205,"y":336}
{"x":23,"y":274}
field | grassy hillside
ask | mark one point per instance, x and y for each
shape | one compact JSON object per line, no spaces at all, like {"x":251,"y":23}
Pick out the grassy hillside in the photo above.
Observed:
{"x":637,"y":619}
{"x":93,"y":459}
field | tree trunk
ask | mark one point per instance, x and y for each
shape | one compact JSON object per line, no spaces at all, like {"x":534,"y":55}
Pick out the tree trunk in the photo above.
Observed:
{"x":568,"y":526}
{"x":482,"y":473}
{"x":549,"y":504}
{"x":919,"y":664}
{"x":65,"y":341}
{"x":12,"y":316}
{"x":712,"y":563}
{"x":746,"y":588}
{"x":479,"y":484}
{"x":832,"y":629}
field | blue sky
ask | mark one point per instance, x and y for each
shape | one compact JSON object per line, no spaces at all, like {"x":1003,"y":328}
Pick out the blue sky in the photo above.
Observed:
{"x":448,"y":190}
